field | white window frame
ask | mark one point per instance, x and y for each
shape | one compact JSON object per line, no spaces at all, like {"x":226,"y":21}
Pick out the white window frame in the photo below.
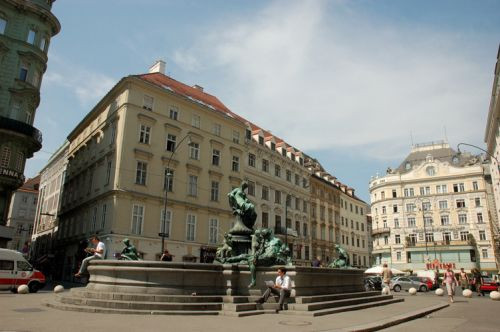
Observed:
{"x":141,"y":173}
{"x":191,"y":227}
{"x":194,"y":151}
{"x":166,"y":222}
{"x":214,"y":191}
{"x":137,"y":222}
{"x":213,"y":230}
{"x":192,"y":185}
{"x":144,"y":134}
{"x":148,"y":102}
{"x":171,"y":143}
{"x":196,"y":121}
{"x":31,"y":37}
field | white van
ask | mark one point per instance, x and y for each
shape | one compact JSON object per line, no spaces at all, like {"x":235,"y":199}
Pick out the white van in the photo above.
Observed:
{"x":15,"y":270}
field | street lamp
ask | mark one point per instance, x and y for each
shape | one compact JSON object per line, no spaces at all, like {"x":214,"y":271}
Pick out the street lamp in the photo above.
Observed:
{"x":425,"y":229}
{"x":287,"y":201}
{"x":167,"y":181}
{"x":477,"y":147}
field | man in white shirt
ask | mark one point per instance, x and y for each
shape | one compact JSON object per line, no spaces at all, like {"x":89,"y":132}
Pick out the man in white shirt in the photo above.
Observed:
{"x":98,"y":253}
{"x":281,"y":287}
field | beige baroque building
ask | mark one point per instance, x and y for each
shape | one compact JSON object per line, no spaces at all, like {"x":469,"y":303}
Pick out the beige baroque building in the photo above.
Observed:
{"x":492,"y":139}
{"x":433,"y":210}
{"x":279,"y":187}
{"x":338,"y":216}
{"x":148,"y":134}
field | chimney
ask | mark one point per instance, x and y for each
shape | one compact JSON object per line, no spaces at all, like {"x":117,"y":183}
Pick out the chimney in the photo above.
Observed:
{"x":198,"y":87}
{"x":158,"y":67}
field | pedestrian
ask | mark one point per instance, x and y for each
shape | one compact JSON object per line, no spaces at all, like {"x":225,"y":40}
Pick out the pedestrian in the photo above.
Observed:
{"x":386,"y":278}
{"x":451,"y":282}
{"x":316,"y":262}
{"x":477,"y":281}
{"x":436,"y":278}
{"x":166,"y":257}
{"x":99,"y":252}
{"x":464,"y":279}
{"x":281,"y":287}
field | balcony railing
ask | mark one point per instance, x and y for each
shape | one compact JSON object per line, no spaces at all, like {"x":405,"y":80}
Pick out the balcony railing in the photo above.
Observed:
{"x":22,"y":128}
{"x":383,"y":230}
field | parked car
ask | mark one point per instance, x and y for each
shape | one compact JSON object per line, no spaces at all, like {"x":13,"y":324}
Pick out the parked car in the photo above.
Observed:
{"x":489,"y":285}
{"x":15,"y":271}
{"x":428,"y":281}
{"x":399,"y":283}
{"x":373,"y":283}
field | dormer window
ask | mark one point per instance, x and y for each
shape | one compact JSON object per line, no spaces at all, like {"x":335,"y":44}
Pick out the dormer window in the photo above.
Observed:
{"x":261,"y":140}
{"x":430,"y":170}
{"x":408,"y":165}
{"x":273,"y":146}
{"x":248,"y":134}
{"x":283,"y":152}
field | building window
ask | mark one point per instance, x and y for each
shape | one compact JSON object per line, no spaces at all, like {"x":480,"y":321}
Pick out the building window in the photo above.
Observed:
{"x":426,"y":206}
{"x":464,"y":236}
{"x":35,"y":79}
{"x":236,"y":164}
{"x":108,"y":173}
{"x":251,"y":188}
{"x":194,"y":151}
{"x":213,"y":229}
{"x":460,"y":203}
{"x":43,"y":43}
{"x":23,"y":71}
{"x":191,"y":227}
{"x":412,"y":239}
{"x":265,"y":193}
{"x":168,"y":180}
{"x":443,"y":205}
{"x":482,"y":235}
{"x":31,"y":37}
{"x":215,"y":157}
{"x":3,"y":24}
{"x":277,"y":197}
{"x":195,"y":121}
{"x":410,"y":207}
{"x":386,"y":240}
{"x":394,"y":209}
{"x":19,"y":161}
{"x":216,"y":129}
{"x":441,"y":189}
{"x":173,"y":113}
{"x":214,"y":191}
{"x":462,"y":218}
{"x":396,"y":223}
{"x":137,"y":219}
{"x":261,"y":140}
{"x":147,"y":103}
{"x":480,"y":218}
{"x":165,"y":222}
{"x":248,"y":134}
{"x":288,"y":175}
{"x":265,"y":165}
{"x":277,"y":221}
{"x":445,"y":220}
{"x":171,"y":142}
{"x":141,"y":172}
{"x":384,"y":210}
{"x":409,"y":192}
{"x":251,"y":160}
{"x":304,"y":229}
{"x":398,"y":255}
{"x":477,"y":201}
{"x":397,"y":239}
{"x":475,"y":186}
{"x":458,"y":187}
{"x":429,"y":237}
{"x":144,"y":134}
{"x":484,"y":253}
{"x":428,"y":221}
{"x":411,"y":222}
{"x":265,"y":220}
{"x":447,"y":237}
{"x":236,"y":137}
{"x":297,"y":180}
{"x":193,"y":185}
{"x":103,"y":215}
{"x":277,"y":170}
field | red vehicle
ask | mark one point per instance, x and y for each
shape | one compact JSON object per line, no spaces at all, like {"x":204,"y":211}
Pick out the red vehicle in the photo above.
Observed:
{"x":488,"y":285}
{"x":428,"y":281}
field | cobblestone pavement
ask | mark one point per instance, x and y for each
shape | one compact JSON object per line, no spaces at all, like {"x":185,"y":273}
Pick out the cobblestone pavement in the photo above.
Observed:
{"x":27,"y":313}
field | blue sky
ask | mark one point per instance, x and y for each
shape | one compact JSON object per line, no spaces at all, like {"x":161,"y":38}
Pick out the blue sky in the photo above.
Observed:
{"x":348,"y":82}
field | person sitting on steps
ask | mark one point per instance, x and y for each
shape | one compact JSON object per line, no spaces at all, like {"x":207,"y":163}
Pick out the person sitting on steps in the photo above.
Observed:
{"x":98,"y":253}
{"x":281,"y":287}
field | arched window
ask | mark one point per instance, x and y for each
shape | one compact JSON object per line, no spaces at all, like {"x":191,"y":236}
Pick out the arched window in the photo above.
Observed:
{"x":4,"y":162}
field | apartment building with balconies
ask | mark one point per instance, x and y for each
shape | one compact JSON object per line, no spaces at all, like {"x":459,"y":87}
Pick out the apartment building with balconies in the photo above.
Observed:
{"x":433,"y":210}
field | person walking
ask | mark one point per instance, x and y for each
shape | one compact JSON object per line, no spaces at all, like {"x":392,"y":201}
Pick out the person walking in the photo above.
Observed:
{"x":451,"y":282}
{"x":386,"y":278}
{"x":477,"y":281}
{"x":464,"y":279}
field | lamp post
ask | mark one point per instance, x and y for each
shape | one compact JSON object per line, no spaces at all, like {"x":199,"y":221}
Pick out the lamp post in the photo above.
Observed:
{"x":425,"y":228}
{"x":287,"y":200}
{"x":167,"y":182}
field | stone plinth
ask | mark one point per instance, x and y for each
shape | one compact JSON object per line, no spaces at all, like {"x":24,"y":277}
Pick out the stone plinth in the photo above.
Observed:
{"x":169,"y":278}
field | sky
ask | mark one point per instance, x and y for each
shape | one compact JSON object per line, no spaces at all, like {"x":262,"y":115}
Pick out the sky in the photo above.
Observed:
{"x":351,"y":83}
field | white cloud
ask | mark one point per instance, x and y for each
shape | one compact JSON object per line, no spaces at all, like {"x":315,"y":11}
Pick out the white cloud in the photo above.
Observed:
{"x":322,"y":77}
{"x":86,"y":85}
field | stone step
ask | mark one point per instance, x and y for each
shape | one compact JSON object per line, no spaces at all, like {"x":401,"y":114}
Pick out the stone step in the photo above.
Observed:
{"x":145,"y":297}
{"x":333,"y":297}
{"x":337,"y":303}
{"x":341,"y":309}
{"x":237,"y":307}
{"x":136,"y":305}
{"x":80,"y":308}
{"x":248,"y":313}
